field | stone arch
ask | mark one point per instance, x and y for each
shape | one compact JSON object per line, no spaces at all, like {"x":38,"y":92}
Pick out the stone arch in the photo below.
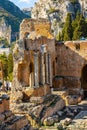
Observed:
{"x":84,"y":79}
{"x":26,"y":34}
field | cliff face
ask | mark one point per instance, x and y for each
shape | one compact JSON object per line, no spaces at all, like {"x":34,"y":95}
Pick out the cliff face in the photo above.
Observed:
{"x":56,"y":11}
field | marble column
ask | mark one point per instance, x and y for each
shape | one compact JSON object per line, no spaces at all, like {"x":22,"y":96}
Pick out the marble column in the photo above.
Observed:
{"x":36,"y":75}
{"x":46,"y":69}
{"x":49,"y":69}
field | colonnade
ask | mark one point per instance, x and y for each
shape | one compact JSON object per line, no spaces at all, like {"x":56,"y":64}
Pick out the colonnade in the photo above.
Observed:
{"x":42,"y":69}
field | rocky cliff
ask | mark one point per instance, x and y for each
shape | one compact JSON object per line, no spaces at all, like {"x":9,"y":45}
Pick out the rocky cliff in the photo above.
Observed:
{"x":56,"y":11}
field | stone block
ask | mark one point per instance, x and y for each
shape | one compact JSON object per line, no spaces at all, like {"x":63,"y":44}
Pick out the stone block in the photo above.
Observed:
{"x":21,"y":122}
{"x":72,"y":99}
{"x":48,"y":121}
{"x":37,"y":110}
{"x":37,"y":92}
{"x":59,"y":105}
{"x":2,"y":117}
{"x":66,"y":121}
{"x":8,"y":113}
{"x":10,"y":126}
{"x":17,"y":123}
{"x":6,"y":104}
{"x":1,"y":106}
{"x":37,"y":100}
{"x":57,"y":83}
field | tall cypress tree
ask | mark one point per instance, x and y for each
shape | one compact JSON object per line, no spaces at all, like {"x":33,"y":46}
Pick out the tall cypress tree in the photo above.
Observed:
{"x":76,"y":21}
{"x":81,"y":29}
{"x":67,"y":30}
{"x":10,"y":63}
{"x":59,"y":36}
{"x":10,"y":66}
{"x":4,"y":60}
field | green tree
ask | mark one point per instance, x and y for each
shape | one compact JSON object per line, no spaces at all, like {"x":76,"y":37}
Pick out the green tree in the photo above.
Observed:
{"x":67,"y":30}
{"x":75,"y":21}
{"x":10,"y":67}
{"x":10,"y":63}
{"x":4,"y":60}
{"x":81,"y":29}
{"x":7,"y":62}
{"x":59,"y":36}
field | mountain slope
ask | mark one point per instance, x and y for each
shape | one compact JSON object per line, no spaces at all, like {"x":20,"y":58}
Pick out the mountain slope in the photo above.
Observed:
{"x":12,"y":14}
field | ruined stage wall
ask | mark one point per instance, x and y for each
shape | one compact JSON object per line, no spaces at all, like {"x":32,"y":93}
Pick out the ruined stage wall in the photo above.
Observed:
{"x":71,"y":58}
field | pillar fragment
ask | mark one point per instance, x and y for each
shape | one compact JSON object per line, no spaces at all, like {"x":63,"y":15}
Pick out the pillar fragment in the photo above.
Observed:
{"x":36,"y":75}
{"x":50,"y":69}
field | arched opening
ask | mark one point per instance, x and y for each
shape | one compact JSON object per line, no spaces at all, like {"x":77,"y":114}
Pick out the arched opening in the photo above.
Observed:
{"x":84,"y":80}
{"x":26,"y":34}
{"x":53,"y":68}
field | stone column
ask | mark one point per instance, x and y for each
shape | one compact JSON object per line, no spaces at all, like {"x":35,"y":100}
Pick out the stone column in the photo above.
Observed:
{"x":36,"y":76}
{"x":50,"y":69}
{"x":31,"y":78}
{"x":42,"y":69}
{"x":46,"y":69}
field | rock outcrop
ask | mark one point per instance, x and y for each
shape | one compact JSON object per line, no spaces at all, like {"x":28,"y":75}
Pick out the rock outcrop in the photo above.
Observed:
{"x":56,"y":11}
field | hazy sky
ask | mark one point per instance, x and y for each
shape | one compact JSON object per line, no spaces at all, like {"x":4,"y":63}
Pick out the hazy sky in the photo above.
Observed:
{"x":24,"y":3}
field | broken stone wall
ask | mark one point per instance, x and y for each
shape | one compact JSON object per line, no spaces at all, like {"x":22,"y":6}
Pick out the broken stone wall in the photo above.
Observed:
{"x":71,"y":58}
{"x":40,"y":26}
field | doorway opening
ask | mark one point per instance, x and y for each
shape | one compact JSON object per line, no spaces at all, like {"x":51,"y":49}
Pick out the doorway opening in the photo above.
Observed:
{"x":84,"y":80}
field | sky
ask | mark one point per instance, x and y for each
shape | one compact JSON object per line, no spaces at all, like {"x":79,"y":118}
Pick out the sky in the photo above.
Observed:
{"x":24,"y":3}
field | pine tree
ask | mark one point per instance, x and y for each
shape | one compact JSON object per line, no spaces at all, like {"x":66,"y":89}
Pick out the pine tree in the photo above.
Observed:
{"x":67,"y":30}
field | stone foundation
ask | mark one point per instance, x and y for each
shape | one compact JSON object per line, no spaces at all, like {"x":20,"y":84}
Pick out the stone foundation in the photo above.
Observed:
{"x":60,"y":82}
